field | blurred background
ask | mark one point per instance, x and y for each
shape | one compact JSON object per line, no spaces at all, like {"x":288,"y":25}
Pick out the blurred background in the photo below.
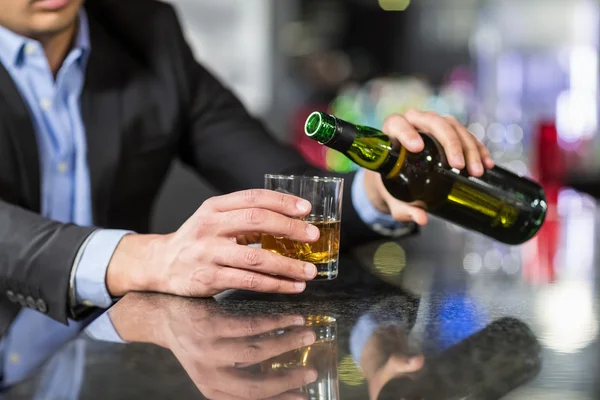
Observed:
{"x":522,"y":75}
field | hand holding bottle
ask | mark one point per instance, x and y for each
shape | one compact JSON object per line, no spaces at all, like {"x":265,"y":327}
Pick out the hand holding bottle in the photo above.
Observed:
{"x":214,"y":347}
{"x":461,"y":147}
{"x":428,"y":171}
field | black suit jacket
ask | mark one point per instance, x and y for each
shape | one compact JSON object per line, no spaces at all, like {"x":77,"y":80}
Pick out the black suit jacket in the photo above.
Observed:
{"x":145,"y":102}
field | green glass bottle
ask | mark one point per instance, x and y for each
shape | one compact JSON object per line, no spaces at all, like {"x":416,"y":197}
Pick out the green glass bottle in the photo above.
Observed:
{"x":499,"y":204}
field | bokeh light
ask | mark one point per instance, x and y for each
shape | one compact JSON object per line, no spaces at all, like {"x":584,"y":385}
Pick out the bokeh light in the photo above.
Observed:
{"x":511,"y":264}
{"x":496,"y":132}
{"x":518,"y":167}
{"x":514,"y":134}
{"x":472,"y":263}
{"x":349,"y":372}
{"x":493,"y":260}
{"x":478,"y":130}
{"x":389,"y":261}
{"x":338,"y":162}
{"x":567,"y":317}
{"x":394,"y":5}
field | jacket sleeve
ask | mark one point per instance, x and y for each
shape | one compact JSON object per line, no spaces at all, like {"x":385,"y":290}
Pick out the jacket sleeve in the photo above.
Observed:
{"x":230,"y":148}
{"x":36,"y":257}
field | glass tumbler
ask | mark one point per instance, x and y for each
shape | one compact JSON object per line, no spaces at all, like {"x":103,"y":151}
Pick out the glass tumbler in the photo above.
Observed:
{"x":325,"y":196}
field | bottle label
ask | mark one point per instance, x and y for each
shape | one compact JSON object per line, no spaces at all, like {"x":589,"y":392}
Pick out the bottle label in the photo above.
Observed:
{"x":498,"y":211}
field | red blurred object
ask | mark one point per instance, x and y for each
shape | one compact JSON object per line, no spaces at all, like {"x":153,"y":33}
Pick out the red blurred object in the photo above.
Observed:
{"x":550,"y":163}
{"x":539,"y":253}
{"x":549,"y":171}
{"x":313,"y":152}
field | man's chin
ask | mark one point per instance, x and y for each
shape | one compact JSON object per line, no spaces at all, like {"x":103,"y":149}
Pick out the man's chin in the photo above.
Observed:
{"x":49,"y":25}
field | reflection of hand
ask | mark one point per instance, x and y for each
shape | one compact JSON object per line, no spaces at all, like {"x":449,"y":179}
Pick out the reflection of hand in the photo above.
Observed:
{"x":212,"y":346}
{"x":207,"y":255}
{"x":462,"y":148}
{"x":386,"y":356}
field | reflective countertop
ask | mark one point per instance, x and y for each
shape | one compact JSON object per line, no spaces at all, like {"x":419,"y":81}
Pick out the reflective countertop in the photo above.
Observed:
{"x":446,"y":314}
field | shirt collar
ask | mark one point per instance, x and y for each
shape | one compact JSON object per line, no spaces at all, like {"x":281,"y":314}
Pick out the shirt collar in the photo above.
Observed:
{"x":12,"y":44}
{"x":82,"y":40}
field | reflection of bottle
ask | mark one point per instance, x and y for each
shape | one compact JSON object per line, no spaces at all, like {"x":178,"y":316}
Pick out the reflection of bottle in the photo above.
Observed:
{"x":499,"y":204}
{"x":321,"y":355}
{"x":487,"y":365}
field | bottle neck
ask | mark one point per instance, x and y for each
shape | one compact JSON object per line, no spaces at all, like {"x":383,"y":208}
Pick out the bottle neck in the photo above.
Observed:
{"x":345,"y":134}
{"x":330,"y":131}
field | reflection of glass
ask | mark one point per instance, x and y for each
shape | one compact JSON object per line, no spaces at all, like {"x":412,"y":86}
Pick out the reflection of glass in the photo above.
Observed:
{"x":321,"y":355}
{"x":325,"y":196}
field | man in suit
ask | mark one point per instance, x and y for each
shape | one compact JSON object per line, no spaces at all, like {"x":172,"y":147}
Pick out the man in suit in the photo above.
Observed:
{"x":96,"y":101}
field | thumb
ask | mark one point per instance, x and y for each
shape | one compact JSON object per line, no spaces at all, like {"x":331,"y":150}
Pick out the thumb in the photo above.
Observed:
{"x":403,"y":212}
{"x":404,"y":364}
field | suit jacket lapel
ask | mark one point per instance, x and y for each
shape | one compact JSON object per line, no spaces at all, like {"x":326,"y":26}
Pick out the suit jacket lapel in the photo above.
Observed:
{"x":101,"y":111}
{"x":22,"y":132}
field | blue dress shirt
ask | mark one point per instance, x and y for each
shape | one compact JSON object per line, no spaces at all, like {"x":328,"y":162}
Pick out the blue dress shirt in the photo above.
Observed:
{"x":54,"y":104}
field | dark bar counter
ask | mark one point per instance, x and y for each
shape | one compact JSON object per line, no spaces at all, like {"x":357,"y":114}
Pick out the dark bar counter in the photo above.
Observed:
{"x":445,"y":314}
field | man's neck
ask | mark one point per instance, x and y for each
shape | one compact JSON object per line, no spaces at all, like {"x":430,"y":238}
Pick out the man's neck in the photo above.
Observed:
{"x":57,"y":46}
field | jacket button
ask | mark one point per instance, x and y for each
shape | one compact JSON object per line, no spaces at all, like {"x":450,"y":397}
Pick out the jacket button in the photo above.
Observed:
{"x":21,"y":300}
{"x":41,"y":306}
{"x":11,"y":296}
{"x":30,"y":302}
